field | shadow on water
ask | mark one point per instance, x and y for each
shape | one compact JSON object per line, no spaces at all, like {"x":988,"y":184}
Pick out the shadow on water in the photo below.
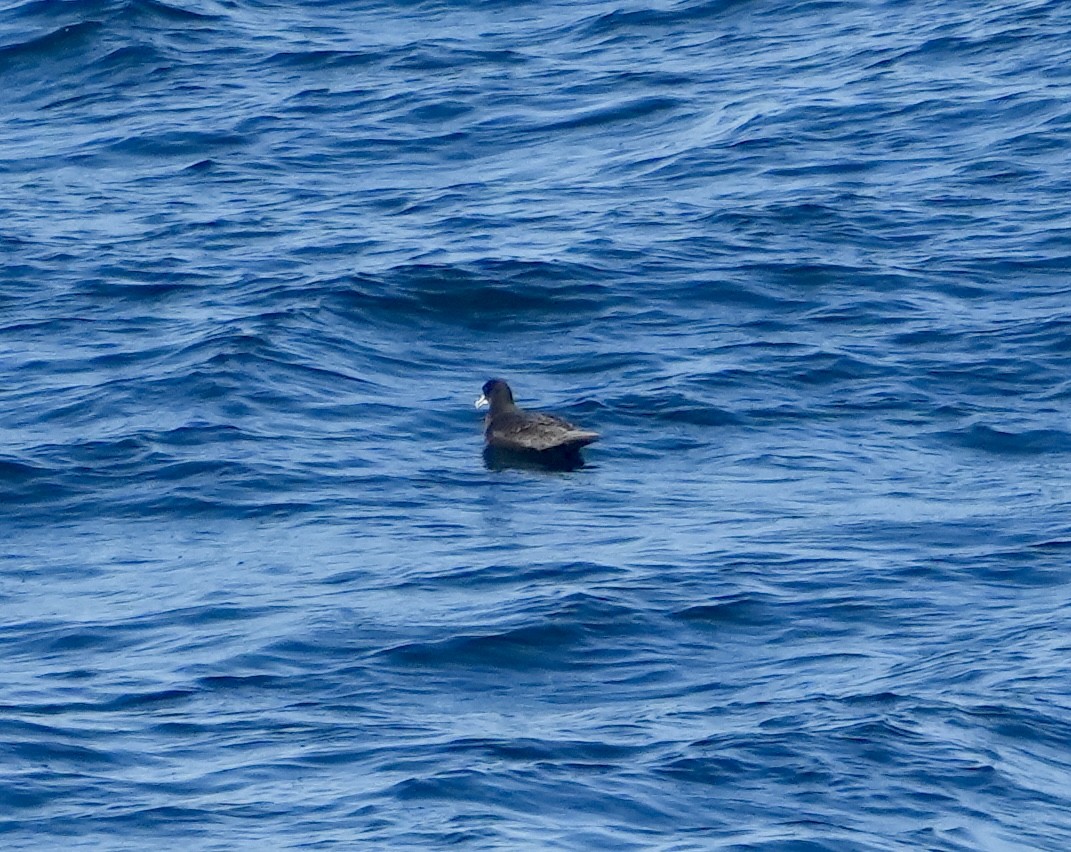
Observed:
{"x":495,"y":458}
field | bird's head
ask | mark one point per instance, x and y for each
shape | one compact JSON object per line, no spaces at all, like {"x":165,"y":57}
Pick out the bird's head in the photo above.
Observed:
{"x":496,"y":393}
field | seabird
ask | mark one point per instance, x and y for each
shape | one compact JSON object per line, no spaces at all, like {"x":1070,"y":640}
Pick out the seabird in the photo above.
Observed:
{"x":536,"y":437}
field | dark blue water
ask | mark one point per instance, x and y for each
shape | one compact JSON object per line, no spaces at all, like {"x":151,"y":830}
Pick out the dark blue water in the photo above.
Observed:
{"x":807,"y":268}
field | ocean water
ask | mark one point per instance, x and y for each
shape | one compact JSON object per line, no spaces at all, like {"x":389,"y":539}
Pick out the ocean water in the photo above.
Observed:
{"x":806,"y":266}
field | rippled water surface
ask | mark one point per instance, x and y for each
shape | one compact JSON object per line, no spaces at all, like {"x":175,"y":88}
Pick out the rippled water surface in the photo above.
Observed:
{"x":807,"y":268}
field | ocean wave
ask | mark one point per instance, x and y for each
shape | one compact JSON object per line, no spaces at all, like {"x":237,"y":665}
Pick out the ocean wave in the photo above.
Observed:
{"x":803,"y":266}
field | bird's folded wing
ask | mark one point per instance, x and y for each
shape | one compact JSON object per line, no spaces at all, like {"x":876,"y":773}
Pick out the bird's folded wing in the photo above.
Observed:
{"x":539,"y":432}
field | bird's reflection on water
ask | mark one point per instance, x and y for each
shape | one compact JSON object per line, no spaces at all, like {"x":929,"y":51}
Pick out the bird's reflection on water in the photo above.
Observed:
{"x":496,"y":458}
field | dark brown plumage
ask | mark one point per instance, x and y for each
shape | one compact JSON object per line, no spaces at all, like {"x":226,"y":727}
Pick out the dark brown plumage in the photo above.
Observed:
{"x":543,"y":437}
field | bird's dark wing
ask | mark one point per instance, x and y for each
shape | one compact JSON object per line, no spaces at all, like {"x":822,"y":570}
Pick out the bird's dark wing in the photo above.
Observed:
{"x":522,"y":430}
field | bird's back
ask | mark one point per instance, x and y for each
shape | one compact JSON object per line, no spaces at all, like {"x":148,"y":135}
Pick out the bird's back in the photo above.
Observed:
{"x":535,"y":432}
